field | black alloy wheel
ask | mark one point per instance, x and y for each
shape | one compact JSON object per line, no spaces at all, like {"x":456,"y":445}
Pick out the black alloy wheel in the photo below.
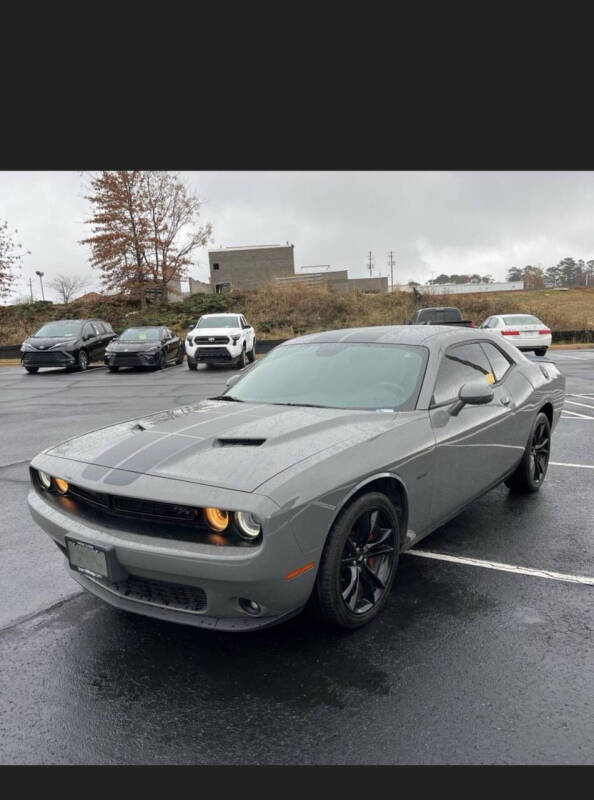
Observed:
{"x":32,"y":370}
{"x":359,"y":563}
{"x":82,"y":362}
{"x":252,"y":354}
{"x":180,"y":355}
{"x":161,"y":361}
{"x":531,"y":472}
{"x":241,"y":361}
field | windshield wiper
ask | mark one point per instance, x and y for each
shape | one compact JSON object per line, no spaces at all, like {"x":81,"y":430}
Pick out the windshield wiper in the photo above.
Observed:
{"x":301,"y":405}
{"x":226,"y":397}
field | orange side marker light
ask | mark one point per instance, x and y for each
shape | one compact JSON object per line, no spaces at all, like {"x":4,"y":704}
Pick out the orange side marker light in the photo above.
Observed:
{"x":296,"y":572}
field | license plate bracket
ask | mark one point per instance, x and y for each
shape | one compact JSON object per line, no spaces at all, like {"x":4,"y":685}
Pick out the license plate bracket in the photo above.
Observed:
{"x":97,"y":562}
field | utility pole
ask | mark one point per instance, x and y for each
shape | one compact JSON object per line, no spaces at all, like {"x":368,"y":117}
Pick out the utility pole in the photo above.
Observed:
{"x":31,"y":288}
{"x":391,"y":255}
{"x":370,"y":264}
{"x":41,"y":274}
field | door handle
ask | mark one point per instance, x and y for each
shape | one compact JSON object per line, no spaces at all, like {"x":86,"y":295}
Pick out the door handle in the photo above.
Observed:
{"x":505,"y":400}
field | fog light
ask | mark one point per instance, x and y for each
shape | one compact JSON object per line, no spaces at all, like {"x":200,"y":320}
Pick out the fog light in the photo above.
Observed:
{"x":249,"y":606}
{"x":44,"y":479}
{"x":217,"y":518}
{"x":61,"y":485}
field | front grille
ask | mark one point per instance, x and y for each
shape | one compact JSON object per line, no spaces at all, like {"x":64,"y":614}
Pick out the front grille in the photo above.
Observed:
{"x":45,"y":357}
{"x":152,"y":508}
{"x":126,"y":359}
{"x":170,"y":595}
{"x":219,"y":353}
{"x":211,"y":340}
{"x":96,"y":498}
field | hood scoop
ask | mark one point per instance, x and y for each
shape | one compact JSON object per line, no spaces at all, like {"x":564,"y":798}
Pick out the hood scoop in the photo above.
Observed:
{"x":238,"y":442}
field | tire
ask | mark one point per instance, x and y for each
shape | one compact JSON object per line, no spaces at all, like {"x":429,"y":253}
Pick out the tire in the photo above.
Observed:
{"x":532,"y":469}
{"x":241,"y":361}
{"x":541,"y":351}
{"x":345,"y":594}
{"x":180,"y":356}
{"x":162,"y":362}
{"x":113,"y":369}
{"x":192,"y":365}
{"x":32,"y":370}
{"x":82,"y":361}
{"x":252,"y":354}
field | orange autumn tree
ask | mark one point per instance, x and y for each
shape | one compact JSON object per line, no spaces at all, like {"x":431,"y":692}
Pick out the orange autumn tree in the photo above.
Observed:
{"x":120,"y":230}
{"x":144,"y":229}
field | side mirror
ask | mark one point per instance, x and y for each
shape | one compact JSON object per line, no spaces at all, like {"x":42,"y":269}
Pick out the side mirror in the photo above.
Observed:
{"x":473,"y":393}
{"x":232,"y":381}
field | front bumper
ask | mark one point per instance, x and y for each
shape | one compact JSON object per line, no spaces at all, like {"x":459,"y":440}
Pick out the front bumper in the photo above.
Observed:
{"x":166,"y":568}
{"x":213,"y":354}
{"x":131,"y":359}
{"x":47,"y":358}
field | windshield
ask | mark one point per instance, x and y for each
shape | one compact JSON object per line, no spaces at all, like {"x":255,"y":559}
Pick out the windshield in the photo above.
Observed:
{"x":60,"y":329}
{"x":140,"y":335}
{"x":336,"y":375}
{"x":218,"y":322}
{"x":521,"y":319}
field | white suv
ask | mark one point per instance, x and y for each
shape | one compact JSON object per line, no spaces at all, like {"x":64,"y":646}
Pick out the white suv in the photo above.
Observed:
{"x":221,"y":339}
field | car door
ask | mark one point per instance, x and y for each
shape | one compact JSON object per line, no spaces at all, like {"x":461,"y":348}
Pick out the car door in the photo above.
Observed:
{"x":173,"y":344}
{"x":90,"y":336}
{"x":471,"y":453}
{"x":249,"y":334}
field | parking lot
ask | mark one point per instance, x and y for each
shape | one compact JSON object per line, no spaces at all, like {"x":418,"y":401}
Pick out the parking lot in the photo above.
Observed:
{"x":484,"y":653}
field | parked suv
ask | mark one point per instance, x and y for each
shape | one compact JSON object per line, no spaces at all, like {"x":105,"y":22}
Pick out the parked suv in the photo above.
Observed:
{"x":221,"y":339}
{"x":69,"y":343}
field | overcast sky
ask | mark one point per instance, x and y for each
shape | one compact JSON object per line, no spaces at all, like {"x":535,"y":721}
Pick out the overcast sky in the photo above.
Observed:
{"x":434,"y":222}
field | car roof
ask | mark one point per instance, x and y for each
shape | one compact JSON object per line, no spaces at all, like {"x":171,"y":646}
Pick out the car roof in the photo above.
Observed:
{"x":392,"y":334}
{"x":223,"y":314}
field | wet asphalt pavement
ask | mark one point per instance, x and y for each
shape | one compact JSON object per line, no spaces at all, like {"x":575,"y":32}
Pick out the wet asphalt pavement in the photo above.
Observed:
{"x":464,"y":665}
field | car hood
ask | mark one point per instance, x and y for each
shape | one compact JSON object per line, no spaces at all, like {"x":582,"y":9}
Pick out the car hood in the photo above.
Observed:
{"x":231,"y":445}
{"x":215,"y":332}
{"x":45,"y":342}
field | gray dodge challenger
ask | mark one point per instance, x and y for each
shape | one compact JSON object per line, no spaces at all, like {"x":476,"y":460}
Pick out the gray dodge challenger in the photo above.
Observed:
{"x":302,"y":483}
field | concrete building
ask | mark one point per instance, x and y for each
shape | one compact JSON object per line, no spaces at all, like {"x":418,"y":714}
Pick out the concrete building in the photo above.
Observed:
{"x":246,"y":268}
{"x":337,"y":279}
{"x":464,"y":288}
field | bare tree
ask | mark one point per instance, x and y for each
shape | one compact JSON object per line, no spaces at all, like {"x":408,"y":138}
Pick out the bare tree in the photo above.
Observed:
{"x":11,"y":257}
{"x":66,"y":286}
{"x":173,"y":210}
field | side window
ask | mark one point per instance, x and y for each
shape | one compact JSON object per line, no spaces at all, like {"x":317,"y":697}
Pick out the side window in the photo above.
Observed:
{"x":108,"y":328}
{"x":499,"y":363}
{"x":460,"y":364}
{"x":88,"y":331}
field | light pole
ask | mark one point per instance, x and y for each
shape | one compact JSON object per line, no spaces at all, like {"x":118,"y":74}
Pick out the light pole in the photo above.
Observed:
{"x":41,"y":274}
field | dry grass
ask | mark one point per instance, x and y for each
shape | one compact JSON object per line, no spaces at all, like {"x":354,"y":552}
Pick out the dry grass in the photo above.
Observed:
{"x":282,"y":312}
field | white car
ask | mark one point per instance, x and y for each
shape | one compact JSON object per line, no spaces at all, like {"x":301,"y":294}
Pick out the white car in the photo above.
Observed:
{"x":524,"y":330}
{"x":221,"y":339}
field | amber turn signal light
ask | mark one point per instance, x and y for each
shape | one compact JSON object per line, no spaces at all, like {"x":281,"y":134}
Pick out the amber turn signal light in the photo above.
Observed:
{"x":61,"y":485}
{"x":217,"y":518}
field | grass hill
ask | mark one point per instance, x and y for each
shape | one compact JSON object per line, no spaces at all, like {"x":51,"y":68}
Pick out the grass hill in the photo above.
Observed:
{"x":281,"y":312}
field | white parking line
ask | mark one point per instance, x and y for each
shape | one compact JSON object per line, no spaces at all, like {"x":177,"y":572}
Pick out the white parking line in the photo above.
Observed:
{"x":585,"y":396}
{"x":563,"y":464}
{"x":477,"y":562}
{"x":574,"y":415}
{"x":575,"y":403}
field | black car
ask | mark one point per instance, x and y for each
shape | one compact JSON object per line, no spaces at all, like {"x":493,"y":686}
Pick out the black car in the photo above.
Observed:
{"x":69,"y":343}
{"x":146,"y":346}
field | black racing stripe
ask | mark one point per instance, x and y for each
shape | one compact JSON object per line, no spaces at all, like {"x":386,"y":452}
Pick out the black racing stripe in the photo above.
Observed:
{"x":93,"y":472}
{"x":162,"y":449}
{"x":123,"y":450}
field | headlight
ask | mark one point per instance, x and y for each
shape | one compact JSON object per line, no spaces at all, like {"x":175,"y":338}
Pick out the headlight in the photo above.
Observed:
{"x":44,"y":479}
{"x":26,"y":346}
{"x":248,"y":525}
{"x":61,"y":485}
{"x":235,"y":339}
{"x":217,"y":519}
